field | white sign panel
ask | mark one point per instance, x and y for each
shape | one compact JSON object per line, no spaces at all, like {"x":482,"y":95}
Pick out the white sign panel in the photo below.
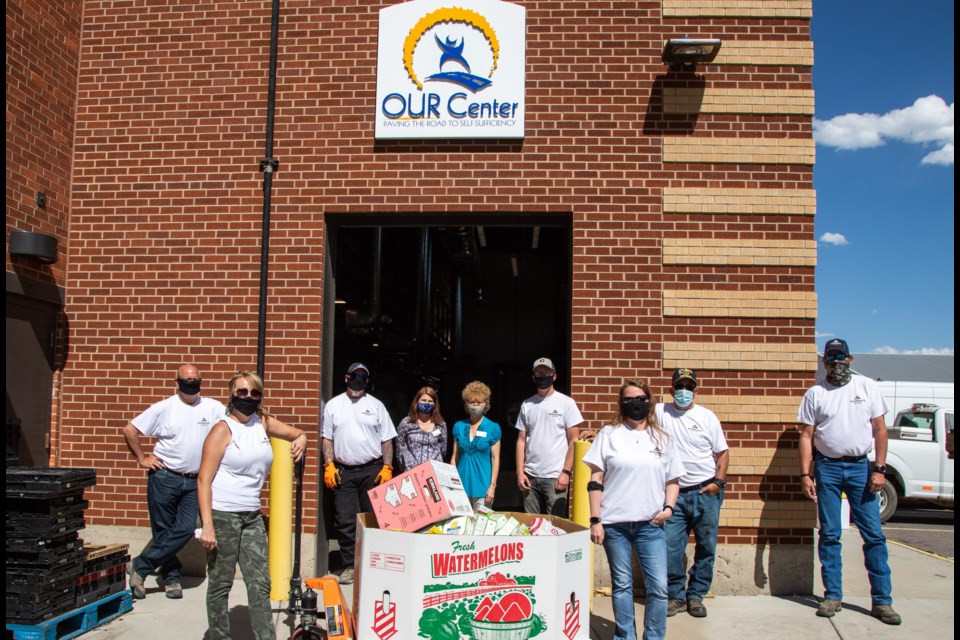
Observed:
{"x":451,"y":69}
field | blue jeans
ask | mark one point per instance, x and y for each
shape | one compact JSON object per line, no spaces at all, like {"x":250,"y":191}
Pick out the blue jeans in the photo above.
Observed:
{"x":698,"y":513}
{"x":651,"y":547}
{"x":172,"y":505}
{"x":852,"y":478}
{"x":544,"y":498}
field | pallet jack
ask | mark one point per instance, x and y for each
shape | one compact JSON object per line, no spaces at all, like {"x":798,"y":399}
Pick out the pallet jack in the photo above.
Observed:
{"x":334,"y":621}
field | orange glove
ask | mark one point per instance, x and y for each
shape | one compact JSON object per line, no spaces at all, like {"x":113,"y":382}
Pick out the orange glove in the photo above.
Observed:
{"x":331,"y":477}
{"x":385,"y":475}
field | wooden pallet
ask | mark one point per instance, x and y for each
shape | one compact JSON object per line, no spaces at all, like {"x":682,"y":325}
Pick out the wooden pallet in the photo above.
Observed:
{"x":94,"y":551}
{"x":77,"y":621}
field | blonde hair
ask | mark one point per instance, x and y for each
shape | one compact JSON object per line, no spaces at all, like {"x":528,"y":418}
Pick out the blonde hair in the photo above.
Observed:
{"x":658,"y":433}
{"x":476,"y":389}
{"x":255,"y":383}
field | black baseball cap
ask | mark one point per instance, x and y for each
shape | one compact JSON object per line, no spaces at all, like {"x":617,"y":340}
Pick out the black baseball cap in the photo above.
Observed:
{"x":836,"y":346}
{"x":684,"y":374}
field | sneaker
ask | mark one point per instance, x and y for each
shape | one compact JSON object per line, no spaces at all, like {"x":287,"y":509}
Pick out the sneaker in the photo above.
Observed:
{"x":346,"y":577}
{"x":885,"y":614}
{"x":174,"y":590}
{"x":828,"y":608}
{"x":695,"y":608}
{"x":136,"y":585}
{"x":674,"y":607}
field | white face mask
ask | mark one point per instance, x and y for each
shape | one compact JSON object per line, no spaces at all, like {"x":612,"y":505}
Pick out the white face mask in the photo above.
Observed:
{"x":476,"y":409}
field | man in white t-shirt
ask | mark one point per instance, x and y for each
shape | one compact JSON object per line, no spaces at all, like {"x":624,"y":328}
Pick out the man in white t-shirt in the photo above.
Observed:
{"x":702,"y":449}
{"x":180,"y":424}
{"x":357,"y":456}
{"x":842,"y":418}
{"x":549,"y":422}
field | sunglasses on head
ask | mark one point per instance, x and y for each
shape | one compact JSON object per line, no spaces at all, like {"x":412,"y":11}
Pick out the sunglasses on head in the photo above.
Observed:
{"x":253,"y":393}
{"x":688,"y":387}
{"x":830,"y":357}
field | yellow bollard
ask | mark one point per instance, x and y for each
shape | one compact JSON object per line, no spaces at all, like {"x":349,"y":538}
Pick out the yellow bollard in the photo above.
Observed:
{"x":281,"y":520}
{"x":580,"y":497}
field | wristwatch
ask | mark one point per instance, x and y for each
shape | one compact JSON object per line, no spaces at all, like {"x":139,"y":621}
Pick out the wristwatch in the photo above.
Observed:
{"x":719,"y":482}
{"x":594,"y":521}
{"x":880,"y":468}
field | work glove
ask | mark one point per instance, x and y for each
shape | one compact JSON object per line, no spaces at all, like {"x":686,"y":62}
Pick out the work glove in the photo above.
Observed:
{"x":331,"y":477}
{"x":385,"y":475}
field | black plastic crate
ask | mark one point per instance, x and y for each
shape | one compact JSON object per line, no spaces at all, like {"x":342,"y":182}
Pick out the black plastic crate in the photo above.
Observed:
{"x":42,"y":527}
{"x":39,"y":482}
{"x":33,"y":579}
{"x":60,"y":506}
{"x":45,"y":557}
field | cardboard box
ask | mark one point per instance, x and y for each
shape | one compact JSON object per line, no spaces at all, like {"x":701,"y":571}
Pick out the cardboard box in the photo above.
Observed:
{"x":428,"y":493}
{"x":485,"y":587}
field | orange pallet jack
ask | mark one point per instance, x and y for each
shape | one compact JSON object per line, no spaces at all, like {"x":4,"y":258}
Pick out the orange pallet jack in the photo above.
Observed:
{"x":334,"y":621}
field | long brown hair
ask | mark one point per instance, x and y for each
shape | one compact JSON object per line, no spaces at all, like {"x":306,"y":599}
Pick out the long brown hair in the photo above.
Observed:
{"x":255,"y":383}
{"x":435,"y":414}
{"x":658,"y":433}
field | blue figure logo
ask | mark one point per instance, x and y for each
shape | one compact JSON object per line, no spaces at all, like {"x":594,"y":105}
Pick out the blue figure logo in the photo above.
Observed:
{"x":453,"y":53}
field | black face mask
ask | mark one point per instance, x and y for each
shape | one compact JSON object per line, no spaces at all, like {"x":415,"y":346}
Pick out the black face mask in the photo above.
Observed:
{"x":247,"y":406}
{"x":357,"y":384}
{"x":190,"y":386}
{"x":543,"y":381}
{"x":636,"y":409}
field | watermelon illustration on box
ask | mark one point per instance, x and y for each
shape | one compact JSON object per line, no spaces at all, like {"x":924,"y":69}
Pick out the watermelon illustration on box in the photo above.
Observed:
{"x":450,"y":587}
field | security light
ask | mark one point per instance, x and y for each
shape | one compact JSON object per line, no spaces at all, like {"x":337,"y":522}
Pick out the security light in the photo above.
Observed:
{"x":687,"y":52}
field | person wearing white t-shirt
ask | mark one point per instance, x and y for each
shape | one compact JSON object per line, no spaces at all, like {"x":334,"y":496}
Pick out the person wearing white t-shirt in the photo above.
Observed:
{"x":842,"y":418}
{"x":549,"y":422}
{"x":633,"y":488}
{"x":357,"y":456}
{"x":180,"y":424}
{"x":237,"y":456}
{"x":702,"y":448}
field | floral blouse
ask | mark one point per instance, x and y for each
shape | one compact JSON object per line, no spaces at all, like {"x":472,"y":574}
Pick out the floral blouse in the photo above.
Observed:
{"x":415,"y":446}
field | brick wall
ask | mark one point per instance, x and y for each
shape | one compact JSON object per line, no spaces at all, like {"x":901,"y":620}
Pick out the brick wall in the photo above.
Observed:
{"x":43,"y":48}
{"x":164,"y":245}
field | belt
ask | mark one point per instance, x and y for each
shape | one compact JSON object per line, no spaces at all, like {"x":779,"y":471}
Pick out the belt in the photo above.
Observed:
{"x":189,"y":476}
{"x":373,"y":463}
{"x":697,"y":487}
{"x":844,"y":458}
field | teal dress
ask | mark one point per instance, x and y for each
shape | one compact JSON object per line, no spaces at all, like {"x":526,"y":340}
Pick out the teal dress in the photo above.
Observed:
{"x":474,"y":464}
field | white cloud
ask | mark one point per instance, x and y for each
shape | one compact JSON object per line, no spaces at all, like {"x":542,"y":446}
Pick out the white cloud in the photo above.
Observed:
{"x":823,"y":334}
{"x":926,"y":351}
{"x":928,"y":121}
{"x":837,"y":239}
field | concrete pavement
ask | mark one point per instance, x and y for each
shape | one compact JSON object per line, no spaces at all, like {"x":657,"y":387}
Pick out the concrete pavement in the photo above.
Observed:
{"x":923,"y":595}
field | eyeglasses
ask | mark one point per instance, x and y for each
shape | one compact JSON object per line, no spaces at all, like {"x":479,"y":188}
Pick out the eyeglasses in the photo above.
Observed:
{"x":688,"y":387}
{"x":358,"y":376}
{"x":253,"y":393}
{"x":831,"y":357}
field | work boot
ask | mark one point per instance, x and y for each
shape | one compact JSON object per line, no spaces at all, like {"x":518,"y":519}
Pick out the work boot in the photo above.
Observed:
{"x":695,"y":608}
{"x":674,"y":607}
{"x":136,"y":585}
{"x":346,"y":577}
{"x":174,"y":590}
{"x":885,"y":614}
{"x":828,"y":608}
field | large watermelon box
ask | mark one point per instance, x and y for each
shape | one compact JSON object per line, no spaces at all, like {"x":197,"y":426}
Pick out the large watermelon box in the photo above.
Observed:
{"x":442,"y":587}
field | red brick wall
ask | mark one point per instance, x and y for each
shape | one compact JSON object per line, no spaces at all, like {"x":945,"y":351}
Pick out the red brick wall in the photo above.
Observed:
{"x":43,"y":49}
{"x":164,"y":247}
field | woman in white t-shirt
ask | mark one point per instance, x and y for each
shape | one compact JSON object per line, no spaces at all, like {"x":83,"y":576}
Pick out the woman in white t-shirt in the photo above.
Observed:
{"x":633,"y":486}
{"x":236,"y":460}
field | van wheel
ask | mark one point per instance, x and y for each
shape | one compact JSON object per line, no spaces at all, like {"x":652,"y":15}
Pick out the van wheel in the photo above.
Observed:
{"x":888,"y":500}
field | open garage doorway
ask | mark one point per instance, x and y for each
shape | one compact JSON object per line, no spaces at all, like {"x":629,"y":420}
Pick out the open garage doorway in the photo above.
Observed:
{"x":443,"y":300}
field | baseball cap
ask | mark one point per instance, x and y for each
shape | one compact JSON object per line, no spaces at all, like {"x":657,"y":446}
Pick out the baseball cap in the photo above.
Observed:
{"x":836,"y":345}
{"x":355,"y":366}
{"x":684,"y":374}
{"x":544,"y":362}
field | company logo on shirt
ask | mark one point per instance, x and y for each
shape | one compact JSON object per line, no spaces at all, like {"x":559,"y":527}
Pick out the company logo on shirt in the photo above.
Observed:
{"x":368,"y":412}
{"x":555,"y":414}
{"x":204,"y":422}
{"x":695,"y":427}
{"x":657,"y":452}
{"x":857,"y":399}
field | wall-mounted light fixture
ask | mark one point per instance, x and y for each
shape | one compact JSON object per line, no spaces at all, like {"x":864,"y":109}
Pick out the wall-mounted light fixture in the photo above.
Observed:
{"x":33,"y":245}
{"x":685,"y":53}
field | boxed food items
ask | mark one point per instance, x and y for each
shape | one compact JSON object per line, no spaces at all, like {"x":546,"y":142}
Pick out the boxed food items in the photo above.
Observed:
{"x":480,"y":586}
{"x":417,"y":498}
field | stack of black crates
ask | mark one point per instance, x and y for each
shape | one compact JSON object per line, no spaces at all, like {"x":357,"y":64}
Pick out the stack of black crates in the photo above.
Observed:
{"x":45,"y":555}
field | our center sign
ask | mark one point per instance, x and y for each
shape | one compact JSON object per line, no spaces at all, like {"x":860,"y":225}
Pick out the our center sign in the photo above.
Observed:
{"x":451,"y":69}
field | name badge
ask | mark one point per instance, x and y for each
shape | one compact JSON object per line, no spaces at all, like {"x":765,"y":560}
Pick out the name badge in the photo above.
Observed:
{"x":481,"y":434}
{"x":436,"y":433}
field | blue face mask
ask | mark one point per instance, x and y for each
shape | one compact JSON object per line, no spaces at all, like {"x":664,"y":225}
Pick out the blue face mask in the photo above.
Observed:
{"x":425,"y":407}
{"x":683,"y":397}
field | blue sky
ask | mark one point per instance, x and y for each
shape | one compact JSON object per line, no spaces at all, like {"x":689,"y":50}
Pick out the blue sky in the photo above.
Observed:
{"x":883,"y":76}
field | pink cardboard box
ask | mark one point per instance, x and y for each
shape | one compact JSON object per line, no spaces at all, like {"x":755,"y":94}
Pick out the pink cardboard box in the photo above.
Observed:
{"x":428,"y":493}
